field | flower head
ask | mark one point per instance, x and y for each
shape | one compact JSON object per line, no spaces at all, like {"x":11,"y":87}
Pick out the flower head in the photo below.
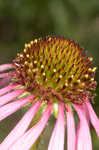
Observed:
{"x":54,"y":74}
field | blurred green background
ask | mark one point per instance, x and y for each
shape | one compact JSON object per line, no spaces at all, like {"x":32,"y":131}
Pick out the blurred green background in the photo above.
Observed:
{"x":24,"y":20}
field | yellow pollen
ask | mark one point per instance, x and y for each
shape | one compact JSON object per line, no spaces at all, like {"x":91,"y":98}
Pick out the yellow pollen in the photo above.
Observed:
{"x":31,"y":42}
{"x":72,"y":76}
{"x":35,"y":41}
{"x":25,"y":62}
{"x":42,"y":66}
{"x":90,"y":58}
{"x":54,"y":70}
{"x":34,"y":70}
{"x":49,"y":39}
{"x":94,"y":69}
{"x":60,"y":76}
{"x":26,"y":45}
{"x":66,"y":84}
{"x":29,"y":45}
{"x":86,"y":76}
{"x":27,"y":56}
{"x":24,"y":50}
{"x":43,"y":73}
{"x":92,"y":79}
{"x":78,"y":81}
{"x":21,"y":55}
{"x":89,"y":69}
{"x":35,"y":62}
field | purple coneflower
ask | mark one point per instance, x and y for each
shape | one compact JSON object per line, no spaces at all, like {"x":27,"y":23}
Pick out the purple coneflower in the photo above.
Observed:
{"x":52,"y":74}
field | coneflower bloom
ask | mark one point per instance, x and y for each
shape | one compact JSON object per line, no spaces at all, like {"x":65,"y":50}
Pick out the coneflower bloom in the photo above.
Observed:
{"x":55,"y":75}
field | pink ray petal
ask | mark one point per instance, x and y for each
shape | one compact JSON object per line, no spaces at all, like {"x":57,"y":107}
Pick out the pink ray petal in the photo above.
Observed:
{"x":4,"y":82}
{"x":21,"y":127}
{"x":4,"y":67}
{"x":3,"y":75}
{"x":93,"y":117}
{"x":7,"y":89}
{"x":71,"y":135}
{"x":8,"y":97}
{"x":32,"y":134}
{"x":83,"y":141}
{"x":10,"y":108}
{"x":57,"y":138}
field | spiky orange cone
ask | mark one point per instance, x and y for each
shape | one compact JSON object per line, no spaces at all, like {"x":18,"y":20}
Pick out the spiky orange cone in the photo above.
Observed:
{"x":52,"y":74}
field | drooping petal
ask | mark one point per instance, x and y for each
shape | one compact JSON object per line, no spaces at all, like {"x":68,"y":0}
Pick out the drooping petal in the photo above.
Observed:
{"x":4,"y":67}
{"x":71,"y":135}
{"x":10,"y":108}
{"x":21,"y":127}
{"x":7,"y":89}
{"x":57,"y":138}
{"x":93,"y":117}
{"x":83,"y":141}
{"x":32,"y":134}
{"x":8,"y":97}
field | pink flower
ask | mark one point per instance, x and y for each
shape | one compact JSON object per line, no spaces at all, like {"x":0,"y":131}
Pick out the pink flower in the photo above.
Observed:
{"x":51,"y":74}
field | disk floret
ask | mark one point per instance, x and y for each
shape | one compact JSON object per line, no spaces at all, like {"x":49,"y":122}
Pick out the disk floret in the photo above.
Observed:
{"x":55,"y":69}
